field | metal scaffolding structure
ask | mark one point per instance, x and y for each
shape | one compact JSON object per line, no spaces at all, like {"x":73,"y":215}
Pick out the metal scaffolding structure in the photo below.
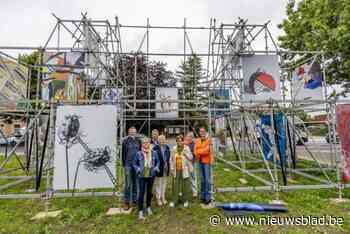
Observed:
{"x":101,"y":42}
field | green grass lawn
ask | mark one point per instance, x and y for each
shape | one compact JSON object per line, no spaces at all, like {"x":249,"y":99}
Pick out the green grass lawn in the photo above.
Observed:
{"x":88,"y":215}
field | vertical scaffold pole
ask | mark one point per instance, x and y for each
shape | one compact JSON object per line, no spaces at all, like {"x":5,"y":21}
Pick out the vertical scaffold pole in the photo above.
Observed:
{"x":50,"y":152}
{"x":273,"y":146}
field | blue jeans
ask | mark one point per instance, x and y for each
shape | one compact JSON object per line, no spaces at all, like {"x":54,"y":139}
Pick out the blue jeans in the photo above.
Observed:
{"x":205,"y":173}
{"x":131,"y":185}
{"x":145,"y":185}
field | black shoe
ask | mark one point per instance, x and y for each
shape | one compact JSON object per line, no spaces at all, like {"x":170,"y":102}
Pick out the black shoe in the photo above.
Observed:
{"x":207,"y":202}
{"x":126,"y":206}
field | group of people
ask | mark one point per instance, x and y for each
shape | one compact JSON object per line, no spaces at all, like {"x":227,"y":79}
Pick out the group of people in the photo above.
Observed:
{"x":150,"y":161}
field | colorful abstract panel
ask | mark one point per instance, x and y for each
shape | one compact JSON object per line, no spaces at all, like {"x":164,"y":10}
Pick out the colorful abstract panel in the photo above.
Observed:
{"x":343,"y":130}
{"x":64,"y":76}
{"x":261,"y":78}
{"x":307,"y":82}
{"x":13,"y":77}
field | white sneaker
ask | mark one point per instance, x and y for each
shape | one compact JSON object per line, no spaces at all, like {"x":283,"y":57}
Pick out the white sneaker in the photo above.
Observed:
{"x":165,"y":201}
{"x":186,"y":204}
{"x":159,"y":202}
{"x":172,"y":204}
{"x":149,"y":211}
{"x":141,"y":216}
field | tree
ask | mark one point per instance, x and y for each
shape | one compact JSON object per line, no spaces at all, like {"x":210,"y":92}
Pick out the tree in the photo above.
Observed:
{"x":303,"y":115}
{"x":190,"y":75}
{"x":158,"y":76}
{"x":31,"y":59}
{"x":321,"y":25}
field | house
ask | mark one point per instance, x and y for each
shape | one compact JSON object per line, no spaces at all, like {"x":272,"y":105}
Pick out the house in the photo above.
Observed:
{"x":10,"y":127}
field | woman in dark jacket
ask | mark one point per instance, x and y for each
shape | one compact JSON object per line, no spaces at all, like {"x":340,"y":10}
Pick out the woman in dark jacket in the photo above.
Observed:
{"x":146,"y":164}
{"x":163,"y":152}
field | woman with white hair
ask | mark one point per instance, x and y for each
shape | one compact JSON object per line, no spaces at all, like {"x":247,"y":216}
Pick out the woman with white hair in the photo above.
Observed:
{"x":163,"y":152}
{"x":190,"y":143}
{"x":146,"y":164}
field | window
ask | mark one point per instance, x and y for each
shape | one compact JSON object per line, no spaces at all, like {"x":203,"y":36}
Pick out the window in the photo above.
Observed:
{"x":171,"y":130}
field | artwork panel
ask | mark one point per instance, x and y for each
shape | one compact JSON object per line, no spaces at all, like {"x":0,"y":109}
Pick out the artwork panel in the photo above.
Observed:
{"x":220,"y":123}
{"x":307,"y":82}
{"x":261,"y":78}
{"x":75,"y":58}
{"x":221,"y":95}
{"x":343,"y":130}
{"x":13,"y":77}
{"x":111,"y":94}
{"x":68,"y":79}
{"x":166,"y":109}
{"x":89,"y":136}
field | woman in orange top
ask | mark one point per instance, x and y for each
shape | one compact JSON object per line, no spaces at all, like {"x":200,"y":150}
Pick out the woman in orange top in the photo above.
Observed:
{"x":203,"y":151}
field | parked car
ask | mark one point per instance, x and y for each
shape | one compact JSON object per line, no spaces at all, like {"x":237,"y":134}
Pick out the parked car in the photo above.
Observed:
{"x":7,"y":141}
{"x":302,"y":136}
{"x":17,"y":137}
{"x":301,"y":132}
{"x":3,"y":141}
{"x":330,"y":138}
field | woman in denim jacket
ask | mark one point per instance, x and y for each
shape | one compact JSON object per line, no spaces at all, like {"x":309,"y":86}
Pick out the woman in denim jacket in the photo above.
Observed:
{"x":146,"y":164}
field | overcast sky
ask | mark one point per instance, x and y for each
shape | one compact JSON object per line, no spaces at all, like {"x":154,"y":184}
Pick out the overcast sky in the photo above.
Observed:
{"x":28,"y":23}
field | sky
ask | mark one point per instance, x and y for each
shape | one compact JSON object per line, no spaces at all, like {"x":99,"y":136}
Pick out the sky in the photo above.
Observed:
{"x":29,"y":23}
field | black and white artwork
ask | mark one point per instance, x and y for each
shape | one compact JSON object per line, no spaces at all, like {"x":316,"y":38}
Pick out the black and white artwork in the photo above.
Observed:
{"x":85,"y":147}
{"x":165,"y":106}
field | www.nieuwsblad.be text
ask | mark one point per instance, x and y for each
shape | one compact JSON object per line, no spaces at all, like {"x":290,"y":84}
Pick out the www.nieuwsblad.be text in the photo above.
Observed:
{"x":327,"y":220}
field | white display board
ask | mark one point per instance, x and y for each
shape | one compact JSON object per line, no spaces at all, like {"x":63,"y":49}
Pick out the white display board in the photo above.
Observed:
{"x":307,"y":82}
{"x":220,"y":123}
{"x":261,"y":78}
{"x":166,"y":109}
{"x":85,"y":134}
{"x":111,"y":94}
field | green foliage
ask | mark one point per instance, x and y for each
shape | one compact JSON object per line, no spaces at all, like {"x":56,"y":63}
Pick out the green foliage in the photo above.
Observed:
{"x":321,"y":25}
{"x":303,"y":115}
{"x":31,"y":59}
{"x":148,"y":74}
{"x":158,"y":76}
{"x":320,"y":130}
{"x":88,"y":215}
{"x":190,"y":75}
